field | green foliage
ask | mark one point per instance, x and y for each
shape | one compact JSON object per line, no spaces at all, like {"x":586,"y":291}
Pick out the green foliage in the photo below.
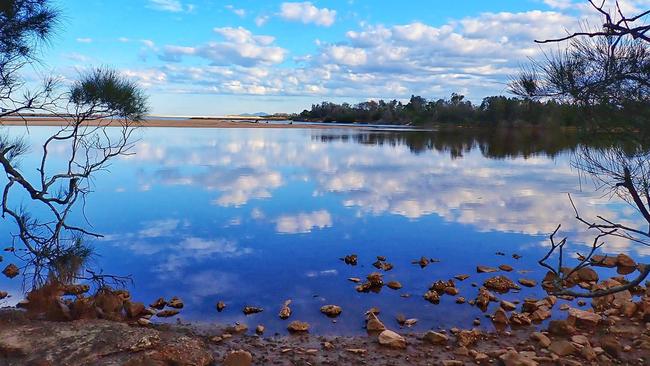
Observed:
{"x":105,"y":91}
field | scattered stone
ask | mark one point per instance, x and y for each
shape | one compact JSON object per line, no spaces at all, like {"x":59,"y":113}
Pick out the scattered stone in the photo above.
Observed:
{"x":285,"y":311}
{"x":248,"y":310}
{"x":501,"y":284}
{"x":159,"y":304}
{"x":514,"y":358}
{"x":516,"y":256}
{"x":453,"y":291}
{"x":461,"y":277}
{"x":541,"y":339}
{"x":354,"y":279}
{"x":375,"y":279}
{"x":259,"y":330}
{"x":331,"y":310}
{"x":358,"y":351}
{"x":410,"y":322}
{"x":374,"y":324}
{"x":485,"y":269}
{"x":460,"y":300}
{"x":520,"y":319}
{"x":435,"y":337}
{"x":507,"y":305}
{"x":527,"y":282}
{"x":624,"y":260}
{"x":3,"y":294}
{"x":167,"y":313}
{"x":587,"y":274}
{"x":562,"y":348}
{"x":432,"y":297}
{"x":611,"y":345}
{"x":395,"y":285}
{"x":391,"y":339}
{"x":297,"y":326}
{"x":581,"y":318}
{"x":500,"y":318}
{"x":560,"y":328}
{"x":175,"y":303}
{"x":423,"y":262}
{"x":238,"y":358}
{"x":220,"y":306}
{"x":603,"y":261}
{"x":144,"y":322}
{"x":351,"y":259}
{"x":466,"y":338}
{"x":506,"y":268}
{"x":133,"y":309}
{"x":238,"y":328}
{"x":11,"y":271}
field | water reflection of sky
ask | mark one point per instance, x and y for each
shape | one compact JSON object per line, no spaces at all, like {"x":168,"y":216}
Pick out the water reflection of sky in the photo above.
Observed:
{"x":255,"y":217}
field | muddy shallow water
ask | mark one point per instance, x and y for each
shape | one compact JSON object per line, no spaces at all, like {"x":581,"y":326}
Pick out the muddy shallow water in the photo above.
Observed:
{"x":256,"y":217}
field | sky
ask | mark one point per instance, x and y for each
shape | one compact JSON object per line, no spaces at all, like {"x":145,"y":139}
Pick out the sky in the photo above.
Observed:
{"x":214,"y":57}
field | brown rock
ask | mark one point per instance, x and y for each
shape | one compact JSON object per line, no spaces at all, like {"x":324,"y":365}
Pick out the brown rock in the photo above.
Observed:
{"x":581,"y":318}
{"x":562,"y":348}
{"x":133,"y":309}
{"x":285,"y":311}
{"x":238,"y":358}
{"x":560,"y":327}
{"x":175,"y":303}
{"x":506,"y":268}
{"x":587,"y":274}
{"x":259,"y":330}
{"x":435,"y":337}
{"x":220,"y":306}
{"x":375,"y":279}
{"x":351,"y":259}
{"x":298,"y":326}
{"x":432,"y":297}
{"x":461,"y":277}
{"x":375,"y":325}
{"x":167,"y":313}
{"x":453,"y":291}
{"x":500,"y":318}
{"x":354,"y":279}
{"x":520,"y":319}
{"x":391,"y":339}
{"x":527,"y":282}
{"x":514,"y":358}
{"x":485,"y":269}
{"x":248,"y":310}
{"x":624,"y":260}
{"x":331,"y":310}
{"x":507,"y":305}
{"x":11,"y":271}
{"x":541,"y":339}
{"x":466,"y":338}
{"x":395,"y":285}
{"x":603,"y":261}
{"x":612,"y":346}
{"x":460,"y":300}
{"x":501,"y":284}
{"x":159,"y":304}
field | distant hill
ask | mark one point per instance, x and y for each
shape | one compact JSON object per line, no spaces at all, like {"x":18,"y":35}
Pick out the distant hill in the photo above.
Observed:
{"x":258,"y":114}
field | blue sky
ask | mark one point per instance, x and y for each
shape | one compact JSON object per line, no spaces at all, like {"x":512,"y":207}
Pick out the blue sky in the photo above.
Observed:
{"x":200,"y":57}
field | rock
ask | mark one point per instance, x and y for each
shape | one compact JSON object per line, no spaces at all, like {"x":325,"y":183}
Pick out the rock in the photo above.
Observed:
{"x":485,"y":269}
{"x":507,"y":305}
{"x":520,"y":319}
{"x":500,"y":318}
{"x":251,"y":310}
{"x":483,"y":298}
{"x":440,"y":286}
{"x":580,"y":339}
{"x":435,"y":337}
{"x":167,"y":313}
{"x":238,"y":358}
{"x":506,"y":268}
{"x":328,"y":346}
{"x":501,"y":284}
{"x":603,"y":261}
{"x":175,"y":303}
{"x":514,"y":358}
{"x":11,"y":271}
{"x":432,"y":297}
{"x":461,"y":277}
{"x":351,"y":259}
{"x":540,"y":314}
{"x":374,"y":324}
{"x":3,"y":294}
{"x":624,"y":260}
{"x":611,"y":345}
{"x":410,"y":322}
{"x":588,"y":353}
{"x":133,"y":309}
{"x":460,"y":300}
{"x":159,"y":304}
{"x":391,"y":339}
{"x":297,"y":326}
{"x":331,"y":310}
{"x":466,"y":338}
{"x":560,"y":328}
{"x":357,"y":351}
{"x":422,"y":262}
{"x":541,"y":339}
{"x":527,"y":282}
{"x":581,"y":318}
{"x":375,"y":279}
{"x":453,"y":291}
{"x":259,"y":330}
{"x":74,"y":290}
{"x":285,"y":311}
{"x":238,"y":328}
{"x":452,"y":363}
{"x":562,"y":348}
{"x":144,"y":322}
{"x":587,"y":274}
{"x":220,"y":306}
{"x":395,"y":285}
{"x":628,"y":310}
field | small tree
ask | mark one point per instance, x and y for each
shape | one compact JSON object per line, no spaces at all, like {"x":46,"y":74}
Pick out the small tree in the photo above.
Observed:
{"x":98,"y":114}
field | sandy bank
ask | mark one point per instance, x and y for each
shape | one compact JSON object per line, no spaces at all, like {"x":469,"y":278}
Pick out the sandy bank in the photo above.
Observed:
{"x":185,"y":123}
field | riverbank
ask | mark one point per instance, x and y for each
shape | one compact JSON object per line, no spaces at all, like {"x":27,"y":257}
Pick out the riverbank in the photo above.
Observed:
{"x":178,"y":123}
{"x":615,"y":340}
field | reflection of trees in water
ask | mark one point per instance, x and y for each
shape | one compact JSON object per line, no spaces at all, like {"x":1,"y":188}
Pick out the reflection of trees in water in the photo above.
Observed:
{"x":493,"y":143}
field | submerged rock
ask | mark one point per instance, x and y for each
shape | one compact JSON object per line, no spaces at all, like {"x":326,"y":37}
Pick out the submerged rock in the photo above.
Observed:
{"x":238,"y":358}
{"x":248,"y":310}
{"x":220,"y":306}
{"x":351,"y":259}
{"x":285,"y":311}
{"x":175,"y":303}
{"x":11,"y":271}
{"x":395,"y":285}
{"x":485,"y":269}
{"x":297,"y":326}
{"x":331,"y":310}
{"x":506,"y":268}
{"x":432,"y":297}
{"x":167,"y":313}
{"x":501,"y":284}
{"x":461,"y":277}
{"x":527,"y":282}
{"x":159,"y":304}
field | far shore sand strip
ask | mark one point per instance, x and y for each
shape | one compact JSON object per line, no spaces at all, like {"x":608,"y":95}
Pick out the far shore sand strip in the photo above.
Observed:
{"x":189,"y":123}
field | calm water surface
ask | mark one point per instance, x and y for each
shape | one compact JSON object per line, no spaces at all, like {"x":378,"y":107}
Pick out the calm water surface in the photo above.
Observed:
{"x":259,"y":216}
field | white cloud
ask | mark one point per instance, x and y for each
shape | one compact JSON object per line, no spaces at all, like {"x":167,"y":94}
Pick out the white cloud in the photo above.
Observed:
{"x":303,"y":222}
{"x":174,"y":6}
{"x":237,"y":11}
{"x":84,"y":40}
{"x":261,"y":20}
{"x":306,"y":12}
